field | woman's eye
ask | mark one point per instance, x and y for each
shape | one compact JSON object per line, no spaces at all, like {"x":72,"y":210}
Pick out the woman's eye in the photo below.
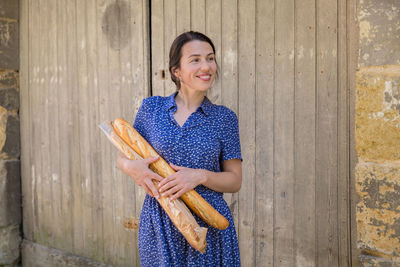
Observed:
{"x":211,"y":59}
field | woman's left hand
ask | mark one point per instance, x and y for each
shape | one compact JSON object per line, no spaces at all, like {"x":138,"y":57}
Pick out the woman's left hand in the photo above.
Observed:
{"x":183,"y":180}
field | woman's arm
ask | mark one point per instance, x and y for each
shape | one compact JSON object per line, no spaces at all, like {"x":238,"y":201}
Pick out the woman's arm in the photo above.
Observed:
{"x":140,"y":172}
{"x":228,"y":181}
{"x":185,"y":179}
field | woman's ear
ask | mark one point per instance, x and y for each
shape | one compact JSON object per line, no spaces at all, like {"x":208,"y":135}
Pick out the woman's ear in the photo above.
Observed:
{"x":176,"y":72}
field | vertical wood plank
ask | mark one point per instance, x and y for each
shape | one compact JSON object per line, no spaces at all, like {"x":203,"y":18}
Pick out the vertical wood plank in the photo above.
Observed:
{"x":229,"y":77}
{"x":183,"y":19}
{"x":84,"y":103}
{"x":157,"y":48}
{"x":352,"y":56}
{"x":94,"y":239}
{"x":35,"y":126}
{"x":326,"y":137}
{"x":304,"y":158}
{"x":139,"y":89}
{"x":264,"y":204}
{"x":246,"y":70}
{"x":343,"y":140}
{"x":53,"y":130}
{"x":64,"y":123}
{"x":114,"y":67}
{"x":25,"y":118}
{"x":284,"y":176}
{"x":36,"y":167}
{"x":78,"y":233}
{"x":213,"y":31}
{"x":170,"y":33}
{"x":45,"y":186}
{"x":198,"y":15}
{"x":105,"y":105}
{"x":126,"y":24}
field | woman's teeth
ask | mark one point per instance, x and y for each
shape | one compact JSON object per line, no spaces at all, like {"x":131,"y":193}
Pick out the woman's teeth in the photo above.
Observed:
{"x":205,"y":77}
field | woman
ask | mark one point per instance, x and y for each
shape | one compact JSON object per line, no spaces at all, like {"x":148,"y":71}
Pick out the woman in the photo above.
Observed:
{"x":201,"y":142}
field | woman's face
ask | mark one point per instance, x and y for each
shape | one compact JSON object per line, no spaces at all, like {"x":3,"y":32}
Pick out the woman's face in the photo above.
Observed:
{"x":197,"y":66}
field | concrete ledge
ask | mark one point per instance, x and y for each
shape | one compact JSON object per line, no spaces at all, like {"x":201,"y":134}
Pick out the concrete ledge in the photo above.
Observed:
{"x":372,"y":261}
{"x":35,"y":255}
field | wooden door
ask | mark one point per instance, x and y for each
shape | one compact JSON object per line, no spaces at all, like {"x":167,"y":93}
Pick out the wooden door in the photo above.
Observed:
{"x":82,"y":62}
{"x":283,"y":70}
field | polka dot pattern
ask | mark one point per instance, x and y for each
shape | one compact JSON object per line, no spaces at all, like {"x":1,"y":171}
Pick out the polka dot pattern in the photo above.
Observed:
{"x":208,"y":137}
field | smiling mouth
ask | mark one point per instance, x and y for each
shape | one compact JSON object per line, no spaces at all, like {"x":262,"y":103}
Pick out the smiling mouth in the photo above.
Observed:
{"x":204,"y":77}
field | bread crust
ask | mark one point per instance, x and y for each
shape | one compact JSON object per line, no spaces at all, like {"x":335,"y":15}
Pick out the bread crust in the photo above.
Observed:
{"x":193,"y":200}
{"x":177,"y":211}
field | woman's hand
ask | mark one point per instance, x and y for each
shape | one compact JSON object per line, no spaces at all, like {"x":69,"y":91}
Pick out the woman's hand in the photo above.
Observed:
{"x":183,"y":180}
{"x":140,"y":172}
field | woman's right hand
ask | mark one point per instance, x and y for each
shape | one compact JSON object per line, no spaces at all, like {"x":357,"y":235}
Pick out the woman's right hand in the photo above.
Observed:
{"x":140,"y":172}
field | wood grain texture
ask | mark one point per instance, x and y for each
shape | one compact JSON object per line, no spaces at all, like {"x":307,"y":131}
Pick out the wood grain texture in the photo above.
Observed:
{"x":284,"y":135}
{"x":326,"y":138}
{"x":169,"y":32}
{"x":183,"y":18}
{"x":305,"y":156}
{"x":107,"y":155}
{"x":158,"y":56}
{"x":81,"y":74}
{"x":213,"y":31}
{"x":25,"y":118}
{"x":264,"y":98}
{"x":198,"y":15}
{"x":64,"y":124}
{"x":352,"y":30}
{"x":229,"y":76}
{"x":247,"y":82}
{"x":344,"y":186}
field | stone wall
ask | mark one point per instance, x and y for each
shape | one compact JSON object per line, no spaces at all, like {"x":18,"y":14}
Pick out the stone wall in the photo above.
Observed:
{"x":377,"y":133}
{"x":10,"y":178}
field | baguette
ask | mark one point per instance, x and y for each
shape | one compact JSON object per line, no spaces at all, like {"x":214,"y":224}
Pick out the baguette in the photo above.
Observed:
{"x":192,"y":199}
{"x":177,"y":211}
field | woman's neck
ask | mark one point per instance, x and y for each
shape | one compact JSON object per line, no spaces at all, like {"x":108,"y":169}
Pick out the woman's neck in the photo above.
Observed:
{"x":189,"y":100}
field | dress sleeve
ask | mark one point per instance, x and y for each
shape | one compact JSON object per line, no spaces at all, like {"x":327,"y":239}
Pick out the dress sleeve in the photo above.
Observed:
{"x":230,"y":138}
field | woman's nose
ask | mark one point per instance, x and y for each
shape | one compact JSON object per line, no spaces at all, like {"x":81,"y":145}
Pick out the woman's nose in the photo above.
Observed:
{"x":205,"y":65}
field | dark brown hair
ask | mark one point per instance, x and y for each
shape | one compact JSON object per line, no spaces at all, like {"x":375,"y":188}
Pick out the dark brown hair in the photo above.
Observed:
{"x":175,"y":53}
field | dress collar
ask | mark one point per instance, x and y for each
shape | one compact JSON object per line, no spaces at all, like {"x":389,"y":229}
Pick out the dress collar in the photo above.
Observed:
{"x":205,"y":106}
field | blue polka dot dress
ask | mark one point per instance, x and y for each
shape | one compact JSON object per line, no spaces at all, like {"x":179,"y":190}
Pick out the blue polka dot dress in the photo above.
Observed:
{"x":208,"y":137}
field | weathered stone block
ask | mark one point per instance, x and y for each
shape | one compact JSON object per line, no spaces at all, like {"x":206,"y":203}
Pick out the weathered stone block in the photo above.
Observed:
{"x":379,"y":32}
{"x":377,"y":129}
{"x":10,"y":240}
{"x":10,"y":192}
{"x":9,"y":98}
{"x":9,"y":9}
{"x":11,"y":148}
{"x":9,"y":44}
{"x":378,"y":211}
{"x":8,"y":79}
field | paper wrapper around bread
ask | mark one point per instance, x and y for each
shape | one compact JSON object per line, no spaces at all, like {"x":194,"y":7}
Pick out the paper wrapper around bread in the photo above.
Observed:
{"x":193,"y":200}
{"x":176,"y":209}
